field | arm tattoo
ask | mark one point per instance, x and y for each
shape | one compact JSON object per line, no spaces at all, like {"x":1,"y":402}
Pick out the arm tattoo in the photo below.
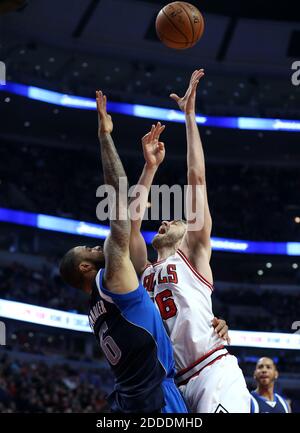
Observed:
{"x":113,"y":170}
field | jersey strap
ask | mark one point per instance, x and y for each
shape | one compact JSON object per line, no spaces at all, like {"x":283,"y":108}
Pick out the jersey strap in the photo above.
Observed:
{"x":194,"y":270}
{"x":183,"y":376}
{"x":283,"y":402}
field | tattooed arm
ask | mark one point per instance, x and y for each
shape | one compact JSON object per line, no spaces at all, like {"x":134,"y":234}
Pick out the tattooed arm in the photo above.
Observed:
{"x":120,"y":276}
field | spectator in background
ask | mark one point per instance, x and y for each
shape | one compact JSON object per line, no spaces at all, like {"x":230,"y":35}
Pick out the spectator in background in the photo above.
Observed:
{"x":263,"y":398}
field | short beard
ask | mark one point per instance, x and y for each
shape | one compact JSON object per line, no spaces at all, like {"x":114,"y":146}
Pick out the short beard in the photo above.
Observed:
{"x":159,"y":242}
{"x":99,"y":263}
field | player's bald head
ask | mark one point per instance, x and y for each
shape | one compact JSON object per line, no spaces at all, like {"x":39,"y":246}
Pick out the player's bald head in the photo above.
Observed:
{"x":78,"y":261}
{"x":265,"y":372}
{"x":266,"y":360}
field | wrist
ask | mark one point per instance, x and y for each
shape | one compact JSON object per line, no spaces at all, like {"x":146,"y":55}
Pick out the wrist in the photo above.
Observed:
{"x":104,"y":133}
{"x":150,"y":167}
{"x":190,"y":114}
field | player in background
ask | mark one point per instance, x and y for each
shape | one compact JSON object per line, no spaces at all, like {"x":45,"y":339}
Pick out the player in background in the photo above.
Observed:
{"x":181,"y":282}
{"x":124,"y":320}
{"x":263,"y":398}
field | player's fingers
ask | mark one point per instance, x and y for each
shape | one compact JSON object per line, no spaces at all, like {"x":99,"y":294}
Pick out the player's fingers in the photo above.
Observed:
{"x":98,"y":102}
{"x":104,"y":102}
{"x":145,"y":138}
{"x":223,"y":333}
{"x":220,"y":325}
{"x":218,"y":328}
{"x":215,"y":321}
{"x":198,"y":76}
{"x":175,"y":97}
{"x":151,"y":136}
{"x":98,"y":95}
{"x":161,"y":129}
{"x":194,"y":74}
{"x":156,"y":129}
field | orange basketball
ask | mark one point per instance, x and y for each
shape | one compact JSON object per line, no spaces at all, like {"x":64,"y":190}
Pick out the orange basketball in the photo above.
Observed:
{"x":179,"y":25}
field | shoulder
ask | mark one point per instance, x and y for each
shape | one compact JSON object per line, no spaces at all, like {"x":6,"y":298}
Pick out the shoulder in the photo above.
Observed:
{"x":283,"y":402}
{"x":254,"y":402}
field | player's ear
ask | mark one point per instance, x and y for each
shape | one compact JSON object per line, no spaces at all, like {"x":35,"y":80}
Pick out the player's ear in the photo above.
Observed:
{"x":276,"y":374}
{"x":85,"y":267}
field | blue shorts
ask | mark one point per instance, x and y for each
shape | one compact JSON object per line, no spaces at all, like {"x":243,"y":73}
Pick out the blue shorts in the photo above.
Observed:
{"x":173,"y":398}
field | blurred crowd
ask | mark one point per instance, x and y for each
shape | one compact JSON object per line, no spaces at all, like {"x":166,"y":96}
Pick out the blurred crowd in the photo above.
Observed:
{"x":233,"y":190}
{"x":142,"y":82}
{"x":43,"y":287}
{"x":258,"y":310}
{"x":267,"y":310}
{"x":38,"y":387}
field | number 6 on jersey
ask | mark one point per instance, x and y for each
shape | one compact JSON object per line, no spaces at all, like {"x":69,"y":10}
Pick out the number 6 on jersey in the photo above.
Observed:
{"x":166,"y":304}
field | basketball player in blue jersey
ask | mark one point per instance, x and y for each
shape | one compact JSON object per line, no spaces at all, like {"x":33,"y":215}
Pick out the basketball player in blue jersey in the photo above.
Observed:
{"x":264,"y":399}
{"x":122,"y":316}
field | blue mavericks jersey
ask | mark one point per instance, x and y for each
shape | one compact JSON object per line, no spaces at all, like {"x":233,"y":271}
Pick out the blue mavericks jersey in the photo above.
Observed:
{"x":260,"y":405}
{"x":132,"y":336}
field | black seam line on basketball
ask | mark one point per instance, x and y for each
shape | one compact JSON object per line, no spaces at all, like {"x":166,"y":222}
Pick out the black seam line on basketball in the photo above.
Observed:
{"x":174,"y":25}
{"x":182,"y":5}
{"x":175,"y":42}
{"x":201,"y":27}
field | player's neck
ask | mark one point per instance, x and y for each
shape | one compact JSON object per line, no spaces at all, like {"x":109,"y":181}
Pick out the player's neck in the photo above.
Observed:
{"x":266,"y":392}
{"x":88,"y":283}
{"x":165,"y":252}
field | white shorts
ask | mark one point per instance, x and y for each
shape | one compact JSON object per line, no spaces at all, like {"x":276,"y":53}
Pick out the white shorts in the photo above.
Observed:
{"x":219,"y":387}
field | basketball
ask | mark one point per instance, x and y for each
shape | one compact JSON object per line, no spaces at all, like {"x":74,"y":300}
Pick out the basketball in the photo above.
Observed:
{"x":179,"y":25}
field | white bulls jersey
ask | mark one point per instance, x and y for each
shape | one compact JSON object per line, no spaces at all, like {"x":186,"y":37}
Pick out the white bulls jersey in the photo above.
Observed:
{"x":183,"y":297}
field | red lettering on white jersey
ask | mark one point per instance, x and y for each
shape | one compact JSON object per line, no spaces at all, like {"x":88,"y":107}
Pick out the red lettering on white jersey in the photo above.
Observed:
{"x":183,"y":297}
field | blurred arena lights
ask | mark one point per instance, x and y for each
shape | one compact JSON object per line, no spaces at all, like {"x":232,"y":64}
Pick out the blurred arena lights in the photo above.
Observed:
{"x":149,"y":112}
{"x":79,"y":322}
{"x":82,"y":228}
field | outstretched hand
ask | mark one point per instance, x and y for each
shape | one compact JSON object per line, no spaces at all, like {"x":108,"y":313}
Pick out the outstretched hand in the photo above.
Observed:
{"x":105,"y":124}
{"x":154,"y":150}
{"x":188,"y":101}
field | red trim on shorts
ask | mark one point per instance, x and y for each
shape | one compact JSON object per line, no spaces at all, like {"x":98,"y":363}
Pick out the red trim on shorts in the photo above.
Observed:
{"x":198,"y":372}
{"x":196,"y":273}
{"x":185,"y":370}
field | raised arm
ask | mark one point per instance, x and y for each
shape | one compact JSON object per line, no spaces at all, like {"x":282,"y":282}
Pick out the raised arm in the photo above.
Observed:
{"x":154,"y":153}
{"x":120,"y":276}
{"x":196,"y":243}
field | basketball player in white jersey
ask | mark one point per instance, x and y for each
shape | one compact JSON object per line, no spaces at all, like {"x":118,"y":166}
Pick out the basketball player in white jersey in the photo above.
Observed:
{"x":181,"y":281}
